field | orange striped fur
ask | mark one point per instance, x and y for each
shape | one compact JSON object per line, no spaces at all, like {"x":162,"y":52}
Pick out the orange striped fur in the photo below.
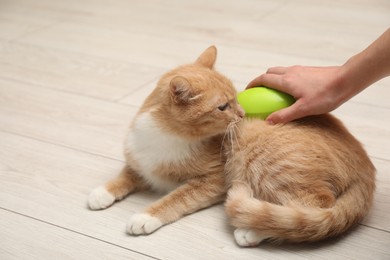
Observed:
{"x":304,"y":181}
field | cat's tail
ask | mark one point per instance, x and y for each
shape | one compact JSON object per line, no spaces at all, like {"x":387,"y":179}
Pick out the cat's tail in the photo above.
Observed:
{"x":296,"y":223}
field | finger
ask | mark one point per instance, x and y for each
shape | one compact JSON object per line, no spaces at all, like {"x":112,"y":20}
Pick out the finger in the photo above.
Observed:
{"x":258,"y":81}
{"x":272,"y":81}
{"x":269,"y":80}
{"x":287,"y":115}
{"x":255,"y":82}
{"x":277,"y":70}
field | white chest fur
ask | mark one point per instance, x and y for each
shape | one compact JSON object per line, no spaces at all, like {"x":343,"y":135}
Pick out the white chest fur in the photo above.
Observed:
{"x":151,"y":147}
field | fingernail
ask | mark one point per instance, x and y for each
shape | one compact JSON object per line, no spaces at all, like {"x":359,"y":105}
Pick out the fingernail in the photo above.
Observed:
{"x":270,"y":122}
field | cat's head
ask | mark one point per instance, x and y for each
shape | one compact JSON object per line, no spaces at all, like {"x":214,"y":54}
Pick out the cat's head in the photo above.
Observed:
{"x":194,"y":100}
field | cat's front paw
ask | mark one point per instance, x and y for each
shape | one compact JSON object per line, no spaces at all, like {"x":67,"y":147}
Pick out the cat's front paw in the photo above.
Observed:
{"x":247,"y":237}
{"x":100,"y":198}
{"x":143,"y":224}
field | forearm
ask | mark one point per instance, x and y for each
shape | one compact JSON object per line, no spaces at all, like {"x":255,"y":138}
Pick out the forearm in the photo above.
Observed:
{"x":367,"y":67}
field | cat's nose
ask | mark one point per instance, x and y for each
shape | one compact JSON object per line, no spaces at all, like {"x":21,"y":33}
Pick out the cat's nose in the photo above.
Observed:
{"x":241,"y":112}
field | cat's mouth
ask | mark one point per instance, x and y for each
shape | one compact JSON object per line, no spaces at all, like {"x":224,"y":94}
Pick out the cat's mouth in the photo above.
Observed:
{"x":235,"y":121}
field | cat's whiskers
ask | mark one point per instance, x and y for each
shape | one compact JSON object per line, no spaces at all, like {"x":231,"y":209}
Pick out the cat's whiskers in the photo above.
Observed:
{"x":223,"y":141}
{"x":233,"y":135}
{"x":231,"y":138}
{"x":237,"y":127}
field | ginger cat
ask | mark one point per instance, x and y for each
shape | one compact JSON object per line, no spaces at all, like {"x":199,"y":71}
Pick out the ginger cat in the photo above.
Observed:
{"x":174,"y":145}
{"x":303,"y":181}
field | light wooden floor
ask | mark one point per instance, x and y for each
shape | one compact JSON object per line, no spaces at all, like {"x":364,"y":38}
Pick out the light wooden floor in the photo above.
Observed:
{"x":74,"y":72}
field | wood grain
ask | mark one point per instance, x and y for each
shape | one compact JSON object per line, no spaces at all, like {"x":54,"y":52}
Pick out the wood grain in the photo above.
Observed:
{"x":43,"y":240}
{"x":73,"y":74}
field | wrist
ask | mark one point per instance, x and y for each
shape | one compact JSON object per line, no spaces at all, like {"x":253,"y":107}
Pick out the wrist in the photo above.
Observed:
{"x":340,"y":86}
{"x":353,"y":77}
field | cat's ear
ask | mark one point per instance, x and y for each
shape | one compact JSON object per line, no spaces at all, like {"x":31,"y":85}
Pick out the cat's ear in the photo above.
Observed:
{"x":208,"y":57}
{"x":181,"y":90}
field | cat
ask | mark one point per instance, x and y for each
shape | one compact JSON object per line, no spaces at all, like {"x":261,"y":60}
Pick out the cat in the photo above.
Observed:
{"x":303,"y":181}
{"x":174,"y":146}
{"x":299,"y":182}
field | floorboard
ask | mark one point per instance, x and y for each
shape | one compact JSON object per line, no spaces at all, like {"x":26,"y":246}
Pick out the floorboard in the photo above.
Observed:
{"x":73,"y":74}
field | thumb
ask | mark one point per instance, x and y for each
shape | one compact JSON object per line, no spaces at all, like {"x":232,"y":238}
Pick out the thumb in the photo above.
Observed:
{"x":287,"y":114}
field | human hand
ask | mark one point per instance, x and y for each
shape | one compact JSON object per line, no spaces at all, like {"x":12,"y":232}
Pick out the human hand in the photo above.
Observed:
{"x":316,"y":90}
{"x":319,"y":90}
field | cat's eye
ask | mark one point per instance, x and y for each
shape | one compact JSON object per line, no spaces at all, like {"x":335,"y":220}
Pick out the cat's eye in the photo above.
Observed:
{"x":223,"y":107}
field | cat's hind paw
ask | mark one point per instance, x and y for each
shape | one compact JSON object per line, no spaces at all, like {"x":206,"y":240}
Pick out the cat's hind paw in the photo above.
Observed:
{"x":247,"y":237}
{"x":100,"y":198}
{"x":143,"y":224}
